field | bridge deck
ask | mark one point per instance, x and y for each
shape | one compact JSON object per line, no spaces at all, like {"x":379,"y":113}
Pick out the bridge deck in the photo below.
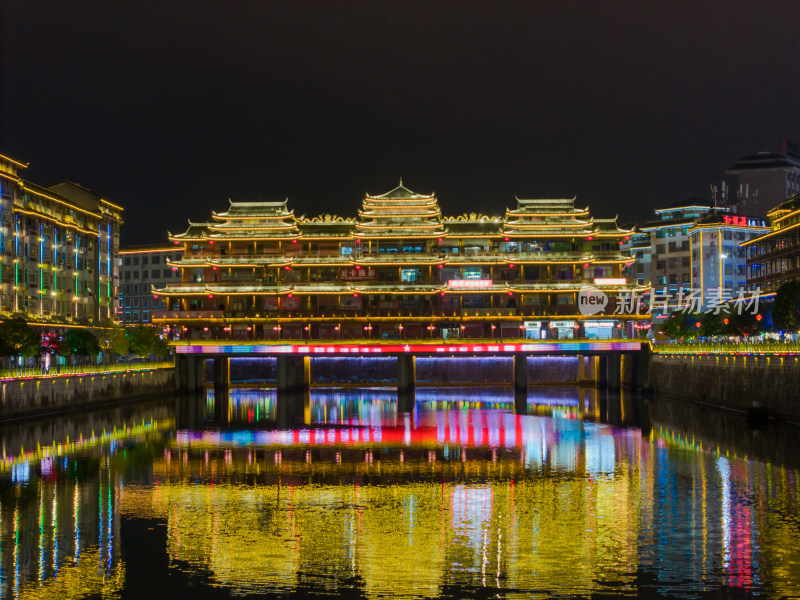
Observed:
{"x":415,"y":347}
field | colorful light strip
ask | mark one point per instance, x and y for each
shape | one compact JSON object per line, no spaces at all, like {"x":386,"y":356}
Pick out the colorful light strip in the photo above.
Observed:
{"x":433,"y":349}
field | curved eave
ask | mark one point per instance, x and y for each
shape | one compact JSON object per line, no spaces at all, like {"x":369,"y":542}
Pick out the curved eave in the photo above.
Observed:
{"x":236,"y":228}
{"x":398,"y":235}
{"x":366,"y":289}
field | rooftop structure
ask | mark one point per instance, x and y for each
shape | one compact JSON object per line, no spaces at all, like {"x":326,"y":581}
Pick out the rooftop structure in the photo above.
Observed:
{"x":765,"y":179}
{"x":398,"y":270}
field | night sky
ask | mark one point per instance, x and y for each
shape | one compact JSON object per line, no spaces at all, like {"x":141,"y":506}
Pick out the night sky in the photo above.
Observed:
{"x":169,"y":109}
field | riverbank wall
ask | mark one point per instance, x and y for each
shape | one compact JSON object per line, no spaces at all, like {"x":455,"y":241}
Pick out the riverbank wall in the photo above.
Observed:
{"x":31,"y":396}
{"x":756,"y":385}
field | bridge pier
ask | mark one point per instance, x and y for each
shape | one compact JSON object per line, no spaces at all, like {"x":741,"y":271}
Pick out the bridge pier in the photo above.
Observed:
{"x":600,"y":369}
{"x":613,"y":370}
{"x":406,"y":373}
{"x":635,"y":370}
{"x":581,"y":369}
{"x":293,"y":408}
{"x":189,"y":373}
{"x":520,"y":384}
{"x":222,"y":375}
{"x":294,"y":374}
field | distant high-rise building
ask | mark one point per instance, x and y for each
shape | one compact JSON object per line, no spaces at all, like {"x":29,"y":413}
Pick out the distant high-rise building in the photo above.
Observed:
{"x":669,"y":260}
{"x":58,"y":249}
{"x":140,"y":269}
{"x":760,"y":181}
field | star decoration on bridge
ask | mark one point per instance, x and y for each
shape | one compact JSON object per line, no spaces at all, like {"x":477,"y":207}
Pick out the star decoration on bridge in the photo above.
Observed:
{"x":407,"y":348}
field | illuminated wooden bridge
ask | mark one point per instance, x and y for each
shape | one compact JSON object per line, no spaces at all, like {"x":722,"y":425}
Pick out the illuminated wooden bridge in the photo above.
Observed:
{"x":613,"y":363}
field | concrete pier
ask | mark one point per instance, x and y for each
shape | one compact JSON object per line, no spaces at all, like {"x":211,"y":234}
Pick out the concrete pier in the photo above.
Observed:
{"x":222,"y":375}
{"x":294,"y":374}
{"x":406,"y":373}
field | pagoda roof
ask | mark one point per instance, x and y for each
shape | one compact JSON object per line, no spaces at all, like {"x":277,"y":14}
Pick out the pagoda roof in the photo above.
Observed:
{"x":546,"y":206}
{"x":606,"y":225}
{"x":401,"y":193}
{"x":254,"y":210}
{"x":194,"y":231}
{"x":792,"y":203}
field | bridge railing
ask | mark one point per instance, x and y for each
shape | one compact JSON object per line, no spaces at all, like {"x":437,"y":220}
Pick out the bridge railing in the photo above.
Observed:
{"x":728,"y":348}
{"x":63,"y":371}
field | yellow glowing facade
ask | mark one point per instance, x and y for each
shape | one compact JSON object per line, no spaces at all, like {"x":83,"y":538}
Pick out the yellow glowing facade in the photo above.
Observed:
{"x":58,"y":249}
{"x":398,"y":270}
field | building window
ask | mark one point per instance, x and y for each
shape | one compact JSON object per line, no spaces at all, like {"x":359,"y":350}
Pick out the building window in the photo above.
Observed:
{"x":127,"y":260}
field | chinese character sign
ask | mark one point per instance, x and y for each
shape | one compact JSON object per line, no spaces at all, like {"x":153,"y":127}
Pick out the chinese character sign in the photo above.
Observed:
{"x":353,"y":274}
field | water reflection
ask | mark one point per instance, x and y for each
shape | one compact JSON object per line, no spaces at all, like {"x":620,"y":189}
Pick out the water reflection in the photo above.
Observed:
{"x":460,"y":496}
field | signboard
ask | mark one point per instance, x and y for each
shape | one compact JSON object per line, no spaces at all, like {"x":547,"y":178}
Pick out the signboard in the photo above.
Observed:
{"x":560,"y":324}
{"x":448,"y":301}
{"x":742,"y":221}
{"x":351,"y":302}
{"x":469,"y":284}
{"x":353,"y":274}
{"x":610,"y":281}
{"x":290,"y":303}
{"x":711,"y":246}
{"x":472,"y":301}
{"x":599,"y":324}
{"x":388,"y":304}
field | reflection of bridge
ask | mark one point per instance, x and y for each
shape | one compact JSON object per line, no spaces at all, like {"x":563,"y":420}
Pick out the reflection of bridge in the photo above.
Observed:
{"x":615,"y":363}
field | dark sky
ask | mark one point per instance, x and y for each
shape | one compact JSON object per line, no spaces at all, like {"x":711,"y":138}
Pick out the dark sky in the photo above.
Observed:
{"x":170,"y":108}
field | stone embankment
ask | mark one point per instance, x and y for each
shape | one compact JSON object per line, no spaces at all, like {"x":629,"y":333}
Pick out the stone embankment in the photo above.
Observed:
{"x":758,"y":385}
{"x":22,"y":397}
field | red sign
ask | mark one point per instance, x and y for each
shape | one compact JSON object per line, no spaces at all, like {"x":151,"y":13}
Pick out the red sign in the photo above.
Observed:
{"x":353,"y":274}
{"x":740,"y":221}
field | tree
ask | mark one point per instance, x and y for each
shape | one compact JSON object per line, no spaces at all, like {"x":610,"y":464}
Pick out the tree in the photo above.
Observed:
{"x":17,"y":338}
{"x":61,"y":347}
{"x":145,"y":340}
{"x":712,"y":324}
{"x":112,"y":338}
{"x":82,"y":342}
{"x":786,"y":311}
{"x":742,"y":325}
{"x":680,"y":325}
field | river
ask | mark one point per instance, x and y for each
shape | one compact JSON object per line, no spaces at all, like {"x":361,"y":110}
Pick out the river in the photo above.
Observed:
{"x":586,"y":495}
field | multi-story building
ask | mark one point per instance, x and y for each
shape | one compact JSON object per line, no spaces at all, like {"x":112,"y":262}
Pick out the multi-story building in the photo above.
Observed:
{"x":763,"y":180}
{"x":141,"y":269}
{"x":670,"y":258}
{"x":774,"y":257}
{"x":58,"y":248}
{"x":398,"y":270}
{"x":638,"y":247}
{"x":718,"y":261}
